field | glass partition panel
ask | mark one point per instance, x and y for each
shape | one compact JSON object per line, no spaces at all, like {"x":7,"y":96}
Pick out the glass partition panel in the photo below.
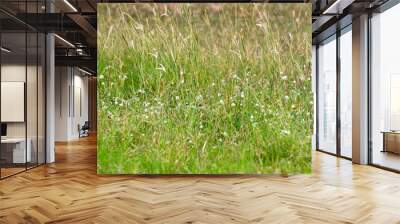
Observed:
{"x":14,"y":150}
{"x":31,"y":98}
{"x":385,"y":89}
{"x":41,"y":99}
{"x":327,"y":96}
{"x":346,"y":93}
{"x":22,"y":78}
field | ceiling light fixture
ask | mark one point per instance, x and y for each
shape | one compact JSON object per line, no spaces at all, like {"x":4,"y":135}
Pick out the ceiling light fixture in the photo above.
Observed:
{"x":65,"y":41}
{"x":337,"y":7}
{"x":5,"y":50}
{"x":70,"y":5}
{"x":84,"y":71}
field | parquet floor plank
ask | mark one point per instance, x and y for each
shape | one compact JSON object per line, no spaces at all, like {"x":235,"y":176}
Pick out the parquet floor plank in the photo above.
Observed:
{"x":70,"y":191}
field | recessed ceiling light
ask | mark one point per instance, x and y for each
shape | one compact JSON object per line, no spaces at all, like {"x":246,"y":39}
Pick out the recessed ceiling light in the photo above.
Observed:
{"x":337,"y":7}
{"x":5,"y":50}
{"x":84,"y":71}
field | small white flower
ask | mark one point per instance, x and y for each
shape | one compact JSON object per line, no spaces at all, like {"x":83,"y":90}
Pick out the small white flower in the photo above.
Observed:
{"x":293,"y":106}
{"x":154,"y":54}
{"x":201,"y":126}
{"x":284,"y":77}
{"x":225,"y":134}
{"x":177,"y":97}
{"x":286,"y":97}
{"x":242,"y":94}
{"x":213,"y":84}
{"x":285,"y":132}
{"x":161,"y":68}
{"x":219,"y":94}
{"x":139,"y":26}
{"x":233,"y":104}
{"x":221,"y":102}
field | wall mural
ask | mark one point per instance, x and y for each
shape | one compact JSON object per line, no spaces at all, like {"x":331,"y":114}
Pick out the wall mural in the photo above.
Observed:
{"x":204,"y":88}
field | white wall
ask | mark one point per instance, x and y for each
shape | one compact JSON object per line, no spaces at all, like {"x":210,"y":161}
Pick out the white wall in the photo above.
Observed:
{"x":17,"y":73}
{"x":14,"y":72}
{"x":62,"y":82}
{"x":70,"y":81}
{"x":80,"y":83}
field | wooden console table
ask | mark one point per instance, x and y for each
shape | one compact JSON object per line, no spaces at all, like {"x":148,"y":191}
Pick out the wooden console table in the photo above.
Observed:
{"x":391,"y":141}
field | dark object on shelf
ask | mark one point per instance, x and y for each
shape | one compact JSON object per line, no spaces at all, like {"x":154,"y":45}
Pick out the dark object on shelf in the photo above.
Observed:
{"x":391,"y":141}
{"x":84,"y":130}
{"x":3,"y":129}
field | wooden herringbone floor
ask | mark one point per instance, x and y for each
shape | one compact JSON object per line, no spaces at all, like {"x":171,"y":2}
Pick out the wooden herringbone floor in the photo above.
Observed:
{"x":69,"y":191}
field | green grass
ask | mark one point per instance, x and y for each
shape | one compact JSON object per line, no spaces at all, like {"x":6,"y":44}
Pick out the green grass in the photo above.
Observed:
{"x":204,"y":88}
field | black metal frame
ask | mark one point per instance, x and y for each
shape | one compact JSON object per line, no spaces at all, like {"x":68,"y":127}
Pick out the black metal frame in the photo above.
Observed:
{"x":338,"y":75}
{"x":0,"y":85}
{"x":369,"y":81}
{"x":44,"y":79}
{"x":316,"y":97}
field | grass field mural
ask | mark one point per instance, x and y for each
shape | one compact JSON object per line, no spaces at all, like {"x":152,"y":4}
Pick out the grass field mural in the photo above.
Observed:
{"x":204,"y":88}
